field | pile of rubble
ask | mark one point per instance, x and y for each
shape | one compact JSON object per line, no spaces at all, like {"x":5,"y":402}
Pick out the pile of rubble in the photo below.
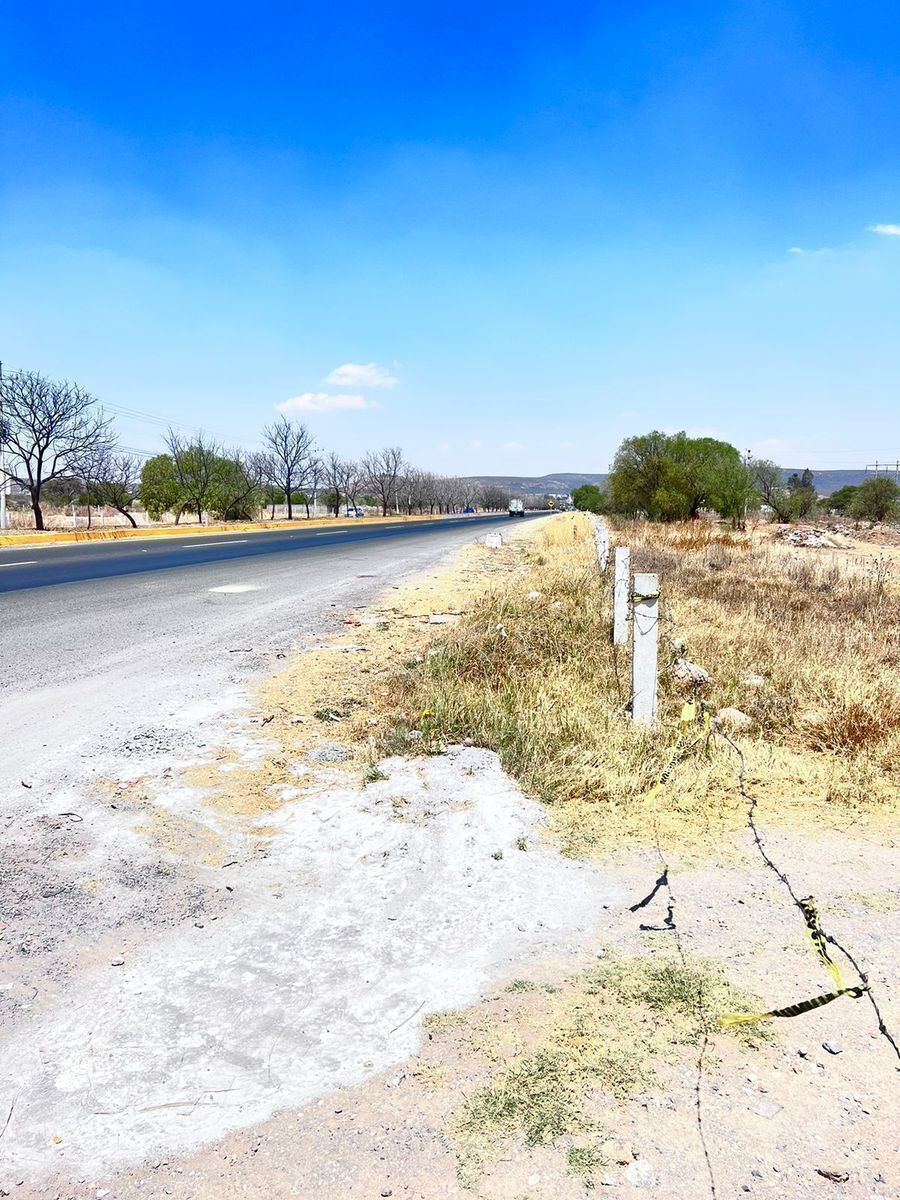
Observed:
{"x":807,"y":535}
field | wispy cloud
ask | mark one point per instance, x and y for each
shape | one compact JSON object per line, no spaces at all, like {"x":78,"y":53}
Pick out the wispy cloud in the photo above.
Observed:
{"x":800,"y":250}
{"x":321,"y":402}
{"x":361,"y":375}
{"x":886,"y":230}
{"x":512,"y":447}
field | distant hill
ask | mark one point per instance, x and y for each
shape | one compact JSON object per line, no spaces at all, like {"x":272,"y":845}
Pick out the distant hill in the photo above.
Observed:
{"x":826,"y":482}
{"x":540,"y":485}
{"x":562,"y":482}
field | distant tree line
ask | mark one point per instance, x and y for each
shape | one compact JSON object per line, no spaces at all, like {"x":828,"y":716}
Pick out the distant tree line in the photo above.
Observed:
{"x":61,"y":449}
{"x":673,"y":477}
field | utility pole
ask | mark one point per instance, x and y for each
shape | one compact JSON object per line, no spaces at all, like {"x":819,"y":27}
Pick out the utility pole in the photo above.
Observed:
{"x":4,"y":482}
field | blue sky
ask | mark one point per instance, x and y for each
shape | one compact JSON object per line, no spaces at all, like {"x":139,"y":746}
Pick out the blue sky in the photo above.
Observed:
{"x":504,"y":236}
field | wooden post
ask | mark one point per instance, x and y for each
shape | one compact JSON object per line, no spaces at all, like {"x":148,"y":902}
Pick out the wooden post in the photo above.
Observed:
{"x":621,"y":592}
{"x":601,"y":537}
{"x":645,"y":609}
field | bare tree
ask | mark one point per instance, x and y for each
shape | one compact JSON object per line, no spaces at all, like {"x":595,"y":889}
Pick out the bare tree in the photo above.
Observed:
{"x":382,"y":469}
{"x":493,"y":498}
{"x":289,"y":451}
{"x":113,"y":480}
{"x":194,"y":464}
{"x":51,"y":429}
{"x":314,"y":474}
{"x":343,"y":478}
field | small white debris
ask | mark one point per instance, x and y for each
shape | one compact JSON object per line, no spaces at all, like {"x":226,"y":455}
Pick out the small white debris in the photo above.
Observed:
{"x":493,"y":541}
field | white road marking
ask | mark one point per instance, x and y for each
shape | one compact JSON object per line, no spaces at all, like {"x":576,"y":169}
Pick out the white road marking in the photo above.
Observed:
{"x":332,"y":532}
{"x":26,"y":562}
{"x":236,"y":587}
{"x":201,"y":545}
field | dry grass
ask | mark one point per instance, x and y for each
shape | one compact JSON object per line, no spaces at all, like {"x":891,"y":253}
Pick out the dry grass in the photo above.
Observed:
{"x":608,"y":1033}
{"x":530,"y":672}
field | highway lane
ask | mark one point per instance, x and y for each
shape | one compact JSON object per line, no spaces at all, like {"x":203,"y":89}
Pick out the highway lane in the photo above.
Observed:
{"x":41,"y":566}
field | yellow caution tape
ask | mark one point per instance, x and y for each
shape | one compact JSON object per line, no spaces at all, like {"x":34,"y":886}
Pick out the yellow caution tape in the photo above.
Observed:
{"x":691,"y":713}
{"x":820,"y":944}
{"x":792,"y":1010}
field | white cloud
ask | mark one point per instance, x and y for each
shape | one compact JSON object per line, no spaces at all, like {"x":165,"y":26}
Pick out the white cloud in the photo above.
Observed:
{"x":320,"y":402}
{"x":800,"y":250}
{"x":513,"y":447}
{"x":476,"y":444}
{"x":361,"y":375}
{"x":887,"y":230}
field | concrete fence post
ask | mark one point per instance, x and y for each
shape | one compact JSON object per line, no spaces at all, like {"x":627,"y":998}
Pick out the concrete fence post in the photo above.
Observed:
{"x":621,"y":592}
{"x":645,"y":646}
{"x":601,"y":537}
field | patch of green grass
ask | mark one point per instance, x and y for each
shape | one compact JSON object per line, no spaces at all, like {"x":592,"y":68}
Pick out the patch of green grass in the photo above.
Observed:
{"x":330,"y":714}
{"x":610,"y":1029}
{"x":373,"y":774}
{"x":584,"y":1161}
{"x":437,"y":1023}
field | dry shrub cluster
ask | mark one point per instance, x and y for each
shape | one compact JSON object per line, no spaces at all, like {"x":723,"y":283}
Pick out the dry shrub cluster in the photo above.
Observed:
{"x":804,"y":642}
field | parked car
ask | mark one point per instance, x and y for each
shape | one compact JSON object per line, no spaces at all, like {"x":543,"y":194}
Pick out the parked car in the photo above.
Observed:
{"x":353,"y":511}
{"x":468,"y":509}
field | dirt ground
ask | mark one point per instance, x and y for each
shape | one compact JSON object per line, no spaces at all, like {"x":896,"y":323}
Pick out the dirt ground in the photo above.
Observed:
{"x":365,"y":955}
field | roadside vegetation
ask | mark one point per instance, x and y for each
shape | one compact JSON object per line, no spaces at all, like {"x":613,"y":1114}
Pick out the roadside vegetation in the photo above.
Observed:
{"x":805,"y":648}
{"x":672,"y":477}
{"x":614,"y":1031}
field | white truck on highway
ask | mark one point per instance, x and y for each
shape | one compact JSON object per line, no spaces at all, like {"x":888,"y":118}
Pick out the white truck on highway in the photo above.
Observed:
{"x":517,"y":508}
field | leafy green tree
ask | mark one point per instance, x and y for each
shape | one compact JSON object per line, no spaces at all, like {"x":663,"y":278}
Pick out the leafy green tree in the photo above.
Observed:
{"x":876,"y":499}
{"x":768,"y":479}
{"x":589,"y":498}
{"x":732,"y":491}
{"x":160,"y":491}
{"x":669,"y":477}
{"x":841,"y":500}
{"x":802,"y":492}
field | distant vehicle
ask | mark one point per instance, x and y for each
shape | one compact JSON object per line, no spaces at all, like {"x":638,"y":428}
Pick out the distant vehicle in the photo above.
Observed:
{"x":468,"y":509}
{"x":355,"y":512}
{"x":517,"y":508}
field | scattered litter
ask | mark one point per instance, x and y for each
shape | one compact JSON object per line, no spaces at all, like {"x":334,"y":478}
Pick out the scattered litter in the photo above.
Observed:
{"x":443,"y":618}
{"x":807,"y":535}
{"x":25,"y":785}
{"x":117,"y":962}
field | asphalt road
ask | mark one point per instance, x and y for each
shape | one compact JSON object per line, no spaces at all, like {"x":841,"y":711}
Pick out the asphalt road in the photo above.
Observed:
{"x":151,"y":650}
{"x":40,"y":566}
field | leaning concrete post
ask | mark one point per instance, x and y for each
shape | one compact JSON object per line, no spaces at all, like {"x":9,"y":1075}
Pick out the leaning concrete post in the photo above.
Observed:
{"x":621,"y":591}
{"x":601,"y":537}
{"x":645,"y":606}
